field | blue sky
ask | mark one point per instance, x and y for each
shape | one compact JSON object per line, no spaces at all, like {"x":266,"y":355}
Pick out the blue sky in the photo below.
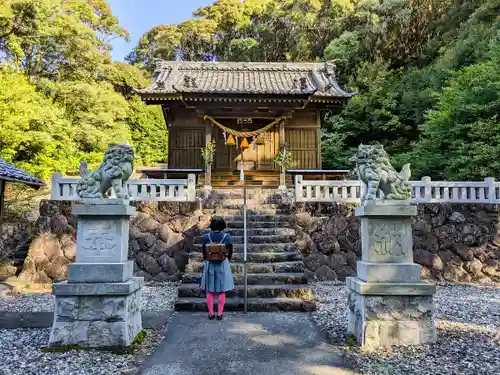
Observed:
{"x":138,"y":16}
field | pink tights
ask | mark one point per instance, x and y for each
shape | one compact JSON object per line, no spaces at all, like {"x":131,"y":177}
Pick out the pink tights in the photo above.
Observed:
{"x":221,"y":300}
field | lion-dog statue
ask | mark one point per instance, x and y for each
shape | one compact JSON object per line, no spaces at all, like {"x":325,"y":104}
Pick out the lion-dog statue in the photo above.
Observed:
{"x":113,"y":172}
{"x":377,"y":173}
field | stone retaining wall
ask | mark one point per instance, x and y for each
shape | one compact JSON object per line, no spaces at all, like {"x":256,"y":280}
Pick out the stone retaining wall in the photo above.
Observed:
{"x":160,"y":236}
{"x":452,"y":242}
{"x":456,"y":243}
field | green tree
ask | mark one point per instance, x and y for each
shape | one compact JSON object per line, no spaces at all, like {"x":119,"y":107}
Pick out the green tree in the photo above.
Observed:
{"x":58,"y":39}
{"x":63,"y":99}
{"x":34,"y":132}
{"x":461,"y":138}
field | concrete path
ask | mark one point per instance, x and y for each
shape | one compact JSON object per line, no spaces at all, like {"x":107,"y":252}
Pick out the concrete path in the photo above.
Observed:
{"x":254,"y":344}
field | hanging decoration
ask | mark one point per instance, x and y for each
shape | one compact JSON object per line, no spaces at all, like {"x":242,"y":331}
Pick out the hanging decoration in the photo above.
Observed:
{"x":225,"y":137}
{"x":237,"y":133}
{"x":230,"y":140}
{"x":254,"y":143}
{"x":260,"y":140}
{"x":244,"y":143}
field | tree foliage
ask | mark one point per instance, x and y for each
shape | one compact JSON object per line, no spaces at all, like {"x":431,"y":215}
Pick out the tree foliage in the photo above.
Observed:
{"x":63,"y":99}
{"x":425,"y":70}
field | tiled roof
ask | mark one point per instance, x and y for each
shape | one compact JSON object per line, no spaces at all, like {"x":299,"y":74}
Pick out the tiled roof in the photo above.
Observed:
{"x":178,"y":77}
{"x":10,"y":173}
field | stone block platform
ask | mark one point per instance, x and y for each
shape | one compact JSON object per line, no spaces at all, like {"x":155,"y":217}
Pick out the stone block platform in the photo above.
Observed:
{"x":97,"y":315}
{"x":384,"y":314}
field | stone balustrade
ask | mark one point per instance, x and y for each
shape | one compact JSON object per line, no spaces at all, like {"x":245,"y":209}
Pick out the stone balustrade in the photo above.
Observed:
{"x":424,"y":191}
{"x":171,"y":190}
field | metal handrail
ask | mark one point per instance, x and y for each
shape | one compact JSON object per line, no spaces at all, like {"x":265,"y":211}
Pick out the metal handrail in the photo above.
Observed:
{"x":245,"y":263}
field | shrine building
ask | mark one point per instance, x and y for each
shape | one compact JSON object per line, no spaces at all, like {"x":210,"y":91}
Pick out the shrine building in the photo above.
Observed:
{"x":250,"y":111}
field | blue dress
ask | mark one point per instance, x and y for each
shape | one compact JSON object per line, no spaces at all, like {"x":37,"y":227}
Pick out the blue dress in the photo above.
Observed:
{"x":217,"y":277}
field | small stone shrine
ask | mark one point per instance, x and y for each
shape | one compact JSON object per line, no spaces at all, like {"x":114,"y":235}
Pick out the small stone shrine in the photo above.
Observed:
{"x":388,"y":302}
{"x":99,"y":305}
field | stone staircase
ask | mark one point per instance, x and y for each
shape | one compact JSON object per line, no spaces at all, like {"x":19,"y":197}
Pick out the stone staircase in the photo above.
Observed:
{"x":276,"y":279}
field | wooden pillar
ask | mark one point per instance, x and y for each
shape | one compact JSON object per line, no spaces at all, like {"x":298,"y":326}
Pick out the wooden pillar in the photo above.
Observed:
{"x":282,"y":133}
{"x":208,"y":167}
{"x":318,"y":140}
{"x":282,"y":143}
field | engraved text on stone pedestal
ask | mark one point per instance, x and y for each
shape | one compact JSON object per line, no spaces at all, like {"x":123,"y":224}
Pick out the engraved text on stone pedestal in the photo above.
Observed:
{"x":99,"y":238}
{"x":389,"y":239}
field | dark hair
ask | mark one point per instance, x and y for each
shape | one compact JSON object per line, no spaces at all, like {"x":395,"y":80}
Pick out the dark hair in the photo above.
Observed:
{"x":217,"y":224}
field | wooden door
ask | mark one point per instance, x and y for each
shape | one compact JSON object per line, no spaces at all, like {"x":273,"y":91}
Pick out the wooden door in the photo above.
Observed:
{"x":224,"y":154}
{"x":266,"y":153}
{"x":302,"y":142}
{"x":185,"y":148}
{"x":260,"y":157}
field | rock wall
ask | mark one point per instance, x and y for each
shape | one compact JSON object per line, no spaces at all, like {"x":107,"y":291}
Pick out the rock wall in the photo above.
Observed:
{"x":456,"y":243}
{"x":160,"y":237}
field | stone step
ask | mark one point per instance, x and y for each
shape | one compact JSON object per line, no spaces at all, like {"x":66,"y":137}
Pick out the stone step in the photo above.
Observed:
{"x":301,"y":291}
{"x":252,"y":194}
{"x":260,"y":231}
{"x":264,"y":257}
{"x":255,"y":278}
{"x":259,"y":218}
{"x":254,"y":304}
{"x":257,"y":224}
{"x":264,"y":203}
{"x":271,"y":239}
{"x":237,"y":183}
{"x":257,"y":247}
{"x":236,"y":267}
{"x":251,"y":212}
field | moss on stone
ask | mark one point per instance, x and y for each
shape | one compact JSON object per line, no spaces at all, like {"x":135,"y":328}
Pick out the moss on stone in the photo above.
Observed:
{"x":351,"y":340}
{"x":139,"y":339}
{"x":62,"y":348}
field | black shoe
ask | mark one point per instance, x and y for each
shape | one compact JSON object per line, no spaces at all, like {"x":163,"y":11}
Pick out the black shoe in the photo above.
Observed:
{"x":219,"y":317}
{"x":211,"y":316}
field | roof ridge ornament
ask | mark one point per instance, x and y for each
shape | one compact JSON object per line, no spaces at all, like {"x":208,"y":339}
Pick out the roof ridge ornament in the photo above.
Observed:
{"x":330,"y":68}
{"x":303,"y":83}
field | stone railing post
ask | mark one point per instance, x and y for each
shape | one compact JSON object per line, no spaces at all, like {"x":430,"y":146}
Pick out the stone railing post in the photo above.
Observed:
{"x":282,"y":179}
{"x":427,"y":188}
{"x":99,"y":305}
{"x":208,"y":176}
{"x":490,"y":187}
{"x":191,"y":188}
{"x":388,"y":302}
{"x":298,"y":189}
{"x":55,"y":188}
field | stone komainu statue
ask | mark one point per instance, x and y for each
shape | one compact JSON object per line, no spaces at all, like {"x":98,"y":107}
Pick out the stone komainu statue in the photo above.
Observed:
{"x":114,"y":172}
{"x":377,"y":173}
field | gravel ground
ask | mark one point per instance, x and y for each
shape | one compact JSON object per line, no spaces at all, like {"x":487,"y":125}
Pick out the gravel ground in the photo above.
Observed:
{"x":155,"y":297}
{"x":468,"y":323}
{"x":20,"y":352}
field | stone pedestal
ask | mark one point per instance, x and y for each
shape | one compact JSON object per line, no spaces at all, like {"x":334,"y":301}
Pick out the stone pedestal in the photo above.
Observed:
{"x":99,"y":305}
{"x":388,"y":302}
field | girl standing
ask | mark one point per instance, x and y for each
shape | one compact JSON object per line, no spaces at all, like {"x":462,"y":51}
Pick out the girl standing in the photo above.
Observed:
{"x":217,"y":277}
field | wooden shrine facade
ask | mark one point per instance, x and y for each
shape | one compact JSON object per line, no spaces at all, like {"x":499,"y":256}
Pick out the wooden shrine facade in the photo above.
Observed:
{"x":207,"y":101}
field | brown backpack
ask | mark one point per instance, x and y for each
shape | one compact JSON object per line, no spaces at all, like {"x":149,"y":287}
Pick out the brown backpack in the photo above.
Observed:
{"x":216,"y":251}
